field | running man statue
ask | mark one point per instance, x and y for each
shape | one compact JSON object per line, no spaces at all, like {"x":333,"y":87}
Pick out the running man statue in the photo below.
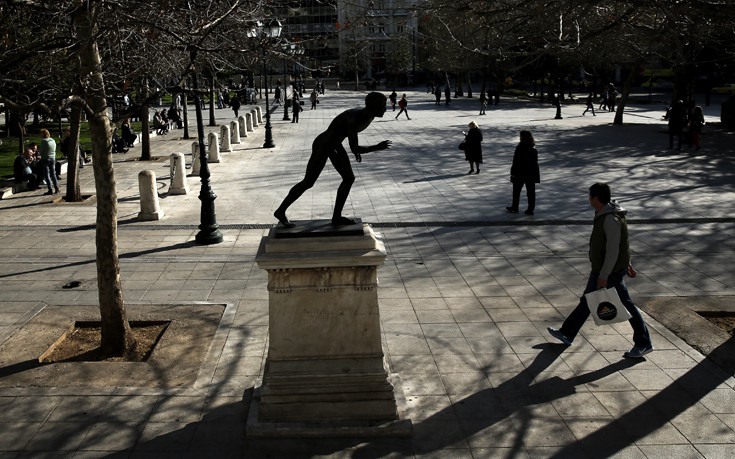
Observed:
{"x":328,"y":144}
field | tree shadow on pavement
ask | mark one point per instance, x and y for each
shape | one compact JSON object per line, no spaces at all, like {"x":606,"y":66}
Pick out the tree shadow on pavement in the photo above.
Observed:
{"x":140,"y":253}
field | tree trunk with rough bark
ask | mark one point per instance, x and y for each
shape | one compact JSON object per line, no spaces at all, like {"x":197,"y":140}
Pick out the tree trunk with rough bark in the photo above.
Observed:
{"x":73,"y":187}
{"x":627,"y":86}
{"x":185,"y":115}
{"x":145,"y":125}
{"x":117,"y":338}
{"x":212,"y":99}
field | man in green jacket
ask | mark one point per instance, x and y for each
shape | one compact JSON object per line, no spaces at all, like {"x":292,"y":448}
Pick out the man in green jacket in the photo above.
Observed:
{"x":48,"y":160}
{"x":610,"y":258}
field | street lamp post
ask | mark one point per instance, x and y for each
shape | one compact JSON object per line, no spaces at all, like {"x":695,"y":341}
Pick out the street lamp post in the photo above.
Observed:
{"x":288,"y":49}
{"x":209,"y":232}
{"x":266,"y":31}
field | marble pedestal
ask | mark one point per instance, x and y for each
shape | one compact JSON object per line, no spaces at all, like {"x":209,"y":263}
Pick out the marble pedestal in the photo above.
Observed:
{"x":325,"y":373}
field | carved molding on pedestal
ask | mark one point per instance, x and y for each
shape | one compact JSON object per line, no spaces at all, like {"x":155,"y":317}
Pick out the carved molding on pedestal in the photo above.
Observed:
{"x":278,"y":281}
{"x":322,"y":279}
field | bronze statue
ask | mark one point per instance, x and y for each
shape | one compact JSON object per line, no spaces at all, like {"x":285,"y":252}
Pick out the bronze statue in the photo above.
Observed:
{"x":328,"y":144}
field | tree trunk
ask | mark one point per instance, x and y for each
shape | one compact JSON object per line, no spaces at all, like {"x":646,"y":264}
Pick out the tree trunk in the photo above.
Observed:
{"x":73,"y":188}
{"x":469,"y":85}
{"x":185,"y":115}
{"x":145,"y":125}
{"x":212,"y":120}
{"x":627,"y":86}
{"x":117,"y":338}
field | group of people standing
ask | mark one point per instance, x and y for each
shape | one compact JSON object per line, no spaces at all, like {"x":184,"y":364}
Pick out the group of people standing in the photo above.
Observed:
{"x":685,"y":125}
{"x":524,"y":172}
{"x":38,"y":164}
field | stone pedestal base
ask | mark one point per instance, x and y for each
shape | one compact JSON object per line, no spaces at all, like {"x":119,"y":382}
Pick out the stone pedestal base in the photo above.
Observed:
{"x":325,"y":370}
{"x":399,"y":427}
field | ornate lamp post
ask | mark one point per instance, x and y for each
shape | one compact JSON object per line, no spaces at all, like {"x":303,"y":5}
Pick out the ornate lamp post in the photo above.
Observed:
{"x":271,"y":29}
{"x":209,"y":232}
{"x":288,"y":48}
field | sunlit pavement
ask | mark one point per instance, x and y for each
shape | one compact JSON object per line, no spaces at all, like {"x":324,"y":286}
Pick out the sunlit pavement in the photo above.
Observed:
{"x":466,"y":293}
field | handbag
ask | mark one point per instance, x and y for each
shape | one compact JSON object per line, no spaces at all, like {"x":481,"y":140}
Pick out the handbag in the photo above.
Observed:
{"x":606,"y":307}
{"x":461,"y":145}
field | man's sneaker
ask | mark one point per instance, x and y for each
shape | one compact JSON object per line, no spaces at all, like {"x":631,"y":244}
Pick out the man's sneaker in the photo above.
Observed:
{"x":560,"y":336}
{"x":638,"y":352}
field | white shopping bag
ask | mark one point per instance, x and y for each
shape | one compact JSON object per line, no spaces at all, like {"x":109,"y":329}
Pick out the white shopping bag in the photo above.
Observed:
{"x":606,"y":307}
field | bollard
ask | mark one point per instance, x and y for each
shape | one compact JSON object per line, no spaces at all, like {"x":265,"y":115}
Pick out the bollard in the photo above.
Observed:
{"x":260,"y":114}
{"x":241,"y":124}
{"x":196,"y":163}
{"x":234,"y":132}
{"x":179,"y":184}
{"x":254,"y":114}
{"x":249,"y":121}
{"x":213,"y":148}
{"x":225,"y":132}
{"x":149,"y":208}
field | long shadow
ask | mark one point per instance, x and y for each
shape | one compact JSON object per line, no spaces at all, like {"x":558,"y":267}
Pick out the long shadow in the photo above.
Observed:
{"x":180,"y":245}
{"x":26,"y":206}
{"x":490,"y":407}
{"x":19,"y":367}
{"x":436,"y":177}
{"x":676,"y":398}
{"x":512,"y":399}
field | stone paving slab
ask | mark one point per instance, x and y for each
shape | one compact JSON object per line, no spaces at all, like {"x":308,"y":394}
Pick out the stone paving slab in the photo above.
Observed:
{"x":466,"y":292}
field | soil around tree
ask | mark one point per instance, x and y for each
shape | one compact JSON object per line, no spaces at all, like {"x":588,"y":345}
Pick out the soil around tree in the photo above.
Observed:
{"x":724,"y":320}
{"x":179,"y":357}
{"x":82,"y":343}
{"x":704,"y":322}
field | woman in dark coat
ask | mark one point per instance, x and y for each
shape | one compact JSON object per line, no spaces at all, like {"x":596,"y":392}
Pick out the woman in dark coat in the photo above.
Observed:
{"x":525,"y":171}
{"x":473,"y":147}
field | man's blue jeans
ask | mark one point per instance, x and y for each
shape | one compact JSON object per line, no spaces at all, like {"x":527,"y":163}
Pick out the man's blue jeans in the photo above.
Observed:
{"x":576,"y":319}
{"x":49,"y":173}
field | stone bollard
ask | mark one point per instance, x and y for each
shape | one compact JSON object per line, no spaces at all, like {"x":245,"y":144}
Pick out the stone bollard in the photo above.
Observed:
{"x":213,"y":148}
{"x":260,"y":114}
{"x":254,"y":114}
{"x":179,"y":184}
{"x":149,"y":208}
{"x":235,"y":132}
{"x":225,"y":133}
{"x":249,"y":122}
{"x":243,"y":128}
{"x":196,"y":163}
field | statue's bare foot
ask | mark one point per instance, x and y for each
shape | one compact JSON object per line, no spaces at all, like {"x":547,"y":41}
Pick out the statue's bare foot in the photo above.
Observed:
{"x":281,"y":216}
{"x":342,"y":221}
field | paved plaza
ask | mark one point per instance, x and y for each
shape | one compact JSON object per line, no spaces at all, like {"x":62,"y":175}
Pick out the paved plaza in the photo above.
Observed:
{"x":466,"y":292}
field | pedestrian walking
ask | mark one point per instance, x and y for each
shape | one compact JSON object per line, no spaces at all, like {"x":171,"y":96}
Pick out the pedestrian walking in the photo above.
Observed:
{"x":612,"y":96}
{"x":314,"y":98}
{"x":603,"y":99}
{"x":483,"y":101}
{"x":695,"y":126}
{"x":48,"y":161}
{"x":609,"y":256}
{"x":677,"y":122}
{"x":235,"y":104}
{"x":393,"y":98}
{"x":438,"y":95}
{"x":590,"y":104}
{"x":296,"y":103}
{"x":447,"y":94}
{"x":473,"y":147}
{"x":403,"y":105}
{"x":524,"y":172}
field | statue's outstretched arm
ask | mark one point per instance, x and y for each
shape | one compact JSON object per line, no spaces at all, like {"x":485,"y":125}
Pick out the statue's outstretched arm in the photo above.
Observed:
{"x":359,"y":150}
